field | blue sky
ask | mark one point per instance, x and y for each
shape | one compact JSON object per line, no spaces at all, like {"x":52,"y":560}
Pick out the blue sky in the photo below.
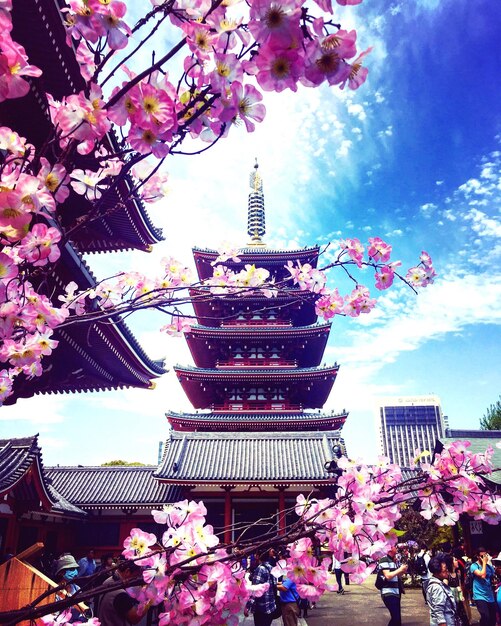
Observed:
{"x":413,"y":156}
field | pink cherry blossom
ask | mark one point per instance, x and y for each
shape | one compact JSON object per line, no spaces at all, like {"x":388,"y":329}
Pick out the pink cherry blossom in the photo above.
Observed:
{"x":39,"y":246}
{"x":138,"y":543}
{"x":379,"y":251}
{"x":385,"y":276}
{"x":354,"y":249}
{"x":13,"y":67}
{"x":277,"y":68}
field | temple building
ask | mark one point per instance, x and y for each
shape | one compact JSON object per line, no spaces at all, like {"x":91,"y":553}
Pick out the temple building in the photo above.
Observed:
{"x":258,"y":436}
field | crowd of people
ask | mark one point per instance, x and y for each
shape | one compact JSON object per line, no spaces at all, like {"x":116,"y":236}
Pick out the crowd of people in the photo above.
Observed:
{"x":451,"y":584}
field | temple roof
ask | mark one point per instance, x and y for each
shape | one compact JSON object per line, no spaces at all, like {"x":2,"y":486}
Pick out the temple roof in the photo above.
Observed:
{"x":237,"y":457}
{"x":256,"y":421}
{"x":92,"y":355}
{"x":22,"y":474}
{"x":124,"y":222}
{"x":112,"y":487}
{"x":261,"y":256}
{"x":258,"y":373}
{"x":259,"y":332}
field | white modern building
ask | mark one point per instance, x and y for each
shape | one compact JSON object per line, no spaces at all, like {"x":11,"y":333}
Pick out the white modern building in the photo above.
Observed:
{"x":409,"y":423}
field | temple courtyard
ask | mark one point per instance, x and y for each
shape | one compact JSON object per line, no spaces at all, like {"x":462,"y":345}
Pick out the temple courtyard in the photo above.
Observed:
{"x":362,"y":604}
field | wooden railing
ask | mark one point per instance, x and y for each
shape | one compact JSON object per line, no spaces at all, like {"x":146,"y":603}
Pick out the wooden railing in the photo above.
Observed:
{"x":241,"y":406}
{"x":256,"y":363}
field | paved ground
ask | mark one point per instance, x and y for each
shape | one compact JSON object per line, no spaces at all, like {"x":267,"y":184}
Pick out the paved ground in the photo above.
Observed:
{"x":362,"y":604}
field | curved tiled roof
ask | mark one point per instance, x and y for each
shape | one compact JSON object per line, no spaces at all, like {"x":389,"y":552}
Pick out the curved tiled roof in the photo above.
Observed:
{"x":256,"y":421}
{"x":111,"y":487}
{"x":296,"y":457}
{"x":261,"y":251}
{"x":17,"y":458}
{"x":258,"y":372}
{"x":277,"y":330}
{"x":124,"y":222}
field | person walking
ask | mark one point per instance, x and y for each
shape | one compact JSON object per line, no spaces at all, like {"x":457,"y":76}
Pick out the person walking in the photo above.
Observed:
{"x":483,"y":594}
{"x":289,"y":600}
{"x":117,"y":607}
{"x":421,"y":565}
{"x":265,"y":607}
{"x":336,"y":566}
{"x":439,"y":596}
{"x":392,"y":587}
{"x":497,"y":590}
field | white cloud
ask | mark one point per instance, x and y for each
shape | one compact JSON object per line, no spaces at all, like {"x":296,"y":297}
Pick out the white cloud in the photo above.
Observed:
{"x":427,"y":208}
{"x":473,"y":186}
{"x":344,"y":148}
{"x":482,"y":224}
{"x":387,"y":132}
{"x":48,"y":410}
{"x":440,"y":310}
{"x":357,"y":110}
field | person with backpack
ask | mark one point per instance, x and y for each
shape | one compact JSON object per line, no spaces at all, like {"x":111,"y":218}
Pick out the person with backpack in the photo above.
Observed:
{"x":421,"y":566}
{"x":483,"y":594}
{"x":439,"y":596}
{"x":389,"y":583}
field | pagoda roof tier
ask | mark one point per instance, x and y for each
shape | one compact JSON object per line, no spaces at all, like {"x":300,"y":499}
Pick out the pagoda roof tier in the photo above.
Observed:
{"x":112,"y":487}
{"x":210,"y":347}
{"x":23,"y":476}
{"x":242,"y":457}
{"x":271,"y":259}
{"x":260,"y":256}
{"x":293,"y":308}
{"x":256,"y":421}
{"x":123,"y":222}
{"x":307,"y":387}
{"x":91,"y":355}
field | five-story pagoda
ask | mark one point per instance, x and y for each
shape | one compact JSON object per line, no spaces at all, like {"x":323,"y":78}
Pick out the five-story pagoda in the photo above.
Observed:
{"x":258,"y":437}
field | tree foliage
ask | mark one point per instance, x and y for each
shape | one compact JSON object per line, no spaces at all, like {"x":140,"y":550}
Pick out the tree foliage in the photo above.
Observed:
{"x":492,"y":417}
{"x":120,"y":462}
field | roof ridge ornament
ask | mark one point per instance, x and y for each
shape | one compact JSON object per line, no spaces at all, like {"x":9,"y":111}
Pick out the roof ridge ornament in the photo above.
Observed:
{"x":255,"y":212}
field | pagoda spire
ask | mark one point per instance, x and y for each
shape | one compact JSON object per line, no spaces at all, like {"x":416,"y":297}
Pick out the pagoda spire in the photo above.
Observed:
{"x":256,"y":218}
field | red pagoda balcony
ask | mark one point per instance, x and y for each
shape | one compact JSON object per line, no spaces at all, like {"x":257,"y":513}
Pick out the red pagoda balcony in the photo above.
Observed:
{"x":253,"y":363}
{"x":256,"y":406}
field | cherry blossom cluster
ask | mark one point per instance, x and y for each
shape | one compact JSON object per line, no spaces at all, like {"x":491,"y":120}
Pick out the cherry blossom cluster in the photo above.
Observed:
{"x":352,"y":252}
{"x":228,"y":48}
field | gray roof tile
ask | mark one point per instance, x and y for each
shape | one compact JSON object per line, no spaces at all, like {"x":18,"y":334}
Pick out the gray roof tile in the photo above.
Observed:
{"x":243,"y":457}
{"x":111,"y":487}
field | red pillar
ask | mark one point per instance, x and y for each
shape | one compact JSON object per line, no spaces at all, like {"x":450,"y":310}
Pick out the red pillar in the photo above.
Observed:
{"x":227,"y":515}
